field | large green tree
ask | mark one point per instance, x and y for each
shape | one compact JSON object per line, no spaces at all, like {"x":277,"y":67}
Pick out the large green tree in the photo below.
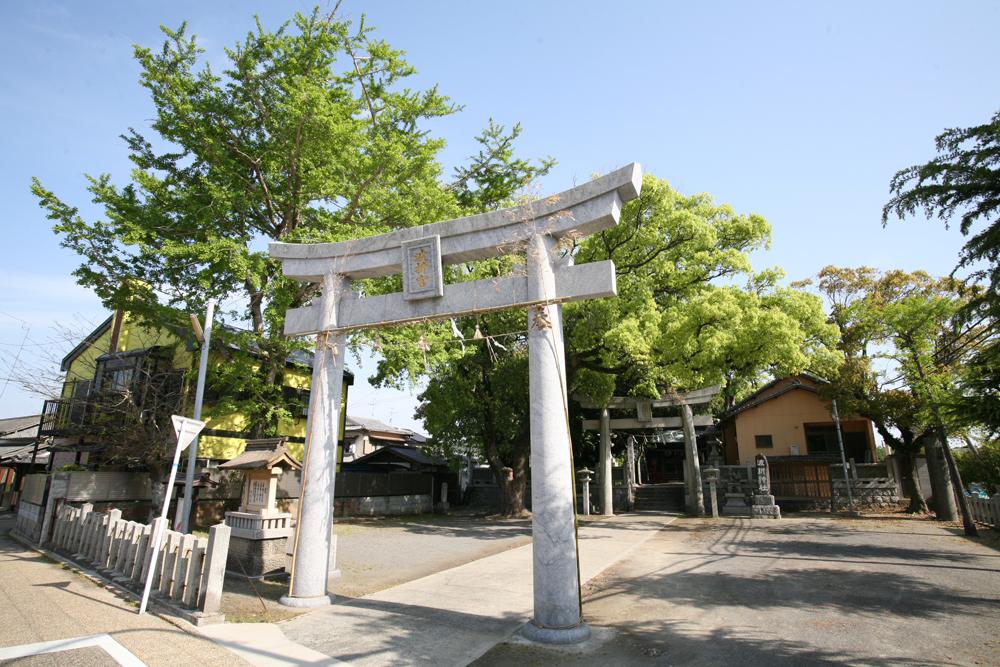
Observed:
{"x":963,"y":181}
{"x":310,"y":134}
{"x":899,"y":333}
{"x":691,"y":310}
{"x":678,"y":322}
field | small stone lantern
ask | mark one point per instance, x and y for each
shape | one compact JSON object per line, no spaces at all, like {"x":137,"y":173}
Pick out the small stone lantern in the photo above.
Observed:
{"x":259,"y":530}
{"x":583,"y":475}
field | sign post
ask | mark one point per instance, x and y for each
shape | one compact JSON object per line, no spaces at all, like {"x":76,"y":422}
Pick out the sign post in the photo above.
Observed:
{"x":187,"y":430}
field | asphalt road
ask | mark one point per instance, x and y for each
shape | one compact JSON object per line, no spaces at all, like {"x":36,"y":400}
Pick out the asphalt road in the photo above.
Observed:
{"x":799,"y":591}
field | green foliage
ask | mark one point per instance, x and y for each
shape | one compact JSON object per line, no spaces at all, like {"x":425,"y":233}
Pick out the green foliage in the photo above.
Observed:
{"x":981,"y":467}
{"x":899,"y":334}
{"x":475,"y":402}
{"x":309,"y":134}
{"x":978,"y":401}
{"x":495,"y":174}
{"x":964,"y":181}
{"x":680,"y":320}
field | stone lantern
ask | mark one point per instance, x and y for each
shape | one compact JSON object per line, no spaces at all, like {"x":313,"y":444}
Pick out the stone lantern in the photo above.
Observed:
{"x":259,"y":529}
{"x":583,"y":475}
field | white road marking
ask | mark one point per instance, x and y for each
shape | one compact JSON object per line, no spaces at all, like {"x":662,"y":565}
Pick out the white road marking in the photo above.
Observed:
{"x":105,"y":642}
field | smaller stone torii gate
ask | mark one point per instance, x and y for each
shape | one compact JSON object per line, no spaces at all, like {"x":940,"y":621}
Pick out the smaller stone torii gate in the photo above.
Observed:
{"x":419,"y":253}
{"x":644,"y":419}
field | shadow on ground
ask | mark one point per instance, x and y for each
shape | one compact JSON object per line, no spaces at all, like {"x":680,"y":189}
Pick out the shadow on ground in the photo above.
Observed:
{"x":671,"y":643}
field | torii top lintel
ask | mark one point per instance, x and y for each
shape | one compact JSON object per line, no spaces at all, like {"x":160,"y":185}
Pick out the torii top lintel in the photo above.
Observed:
{"x":582,"y":210}
{"x":420,"y":252}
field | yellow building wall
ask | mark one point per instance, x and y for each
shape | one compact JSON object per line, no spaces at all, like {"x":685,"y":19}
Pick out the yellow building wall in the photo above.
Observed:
{"x":83,"y":367}
{"x":135,"y":336}
{"x":783,"y":418}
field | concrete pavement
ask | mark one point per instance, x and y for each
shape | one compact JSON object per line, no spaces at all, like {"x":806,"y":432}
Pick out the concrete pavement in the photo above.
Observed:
{"x":799,"y":591}
{"x":55,"y":617}
{"x":448,"y":618}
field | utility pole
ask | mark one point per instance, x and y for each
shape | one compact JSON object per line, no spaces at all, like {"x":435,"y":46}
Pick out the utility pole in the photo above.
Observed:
{"x":843,"y":459}
{"x":205,"y":337}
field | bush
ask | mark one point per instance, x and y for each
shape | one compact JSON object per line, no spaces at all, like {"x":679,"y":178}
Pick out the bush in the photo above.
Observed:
{"x":983,"y":469}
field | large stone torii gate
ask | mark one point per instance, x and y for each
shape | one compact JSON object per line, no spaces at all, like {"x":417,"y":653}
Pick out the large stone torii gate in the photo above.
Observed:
{"x":419,"y":253}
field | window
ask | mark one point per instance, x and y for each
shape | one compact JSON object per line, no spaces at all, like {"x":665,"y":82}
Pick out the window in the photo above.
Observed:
{"x":763,"y":441}
{"x":821,"y":439}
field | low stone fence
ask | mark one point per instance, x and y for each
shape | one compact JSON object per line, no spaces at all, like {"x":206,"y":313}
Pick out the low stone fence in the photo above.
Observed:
{"x":986,"y":511}
{"x":868,"y":493}
{"x":416,"y":503}
{"x":189,"y":569}
{"x":488,"y":496}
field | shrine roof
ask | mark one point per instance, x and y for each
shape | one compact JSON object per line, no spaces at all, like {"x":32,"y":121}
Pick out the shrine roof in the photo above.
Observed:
{"x":264,"y":453}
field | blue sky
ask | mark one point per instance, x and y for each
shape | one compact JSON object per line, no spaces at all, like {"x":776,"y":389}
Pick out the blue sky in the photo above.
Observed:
{"x":801,"y":112}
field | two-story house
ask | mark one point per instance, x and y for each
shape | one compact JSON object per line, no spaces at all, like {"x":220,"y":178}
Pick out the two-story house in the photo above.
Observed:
{"x":151,"y":367}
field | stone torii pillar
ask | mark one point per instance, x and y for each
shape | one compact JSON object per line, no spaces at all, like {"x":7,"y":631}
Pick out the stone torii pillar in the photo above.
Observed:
{"x":696,"y":495}
{"x":420,"y":253}
{"x":607,"y":484}
{"x":313,"y":530}
{"x":630,"y":463}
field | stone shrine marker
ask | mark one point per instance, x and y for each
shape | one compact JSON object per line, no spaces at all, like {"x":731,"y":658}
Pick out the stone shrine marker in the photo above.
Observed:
{"x":419,"y":254}
{"x":763,"y":505}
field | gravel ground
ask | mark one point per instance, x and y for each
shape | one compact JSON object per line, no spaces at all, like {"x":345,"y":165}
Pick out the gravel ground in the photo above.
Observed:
{"x":799,"y":591}
{"x":375,"y":554}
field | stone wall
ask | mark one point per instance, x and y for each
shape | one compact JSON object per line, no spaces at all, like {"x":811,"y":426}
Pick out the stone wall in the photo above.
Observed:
{"x":872,"y":493}
{"x":358,"y":493}
{"x":383,"y":505}
{"x":254,"y":558}
{"x":29,"y":520}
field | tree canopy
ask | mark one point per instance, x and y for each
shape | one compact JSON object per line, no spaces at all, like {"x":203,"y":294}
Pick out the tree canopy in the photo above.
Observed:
{"x":691,"y":310}
{"x":964,"y":181}
{"x":899,"y":331}
{"x":309,"y":134}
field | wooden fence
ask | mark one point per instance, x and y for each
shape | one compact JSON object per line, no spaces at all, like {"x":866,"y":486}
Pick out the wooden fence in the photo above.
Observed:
{"x":800,"y":481}
{"x":986,"y":510}
{"x":189,"y":569}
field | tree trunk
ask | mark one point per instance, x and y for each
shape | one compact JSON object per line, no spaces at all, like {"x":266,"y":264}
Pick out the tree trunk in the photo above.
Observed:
{"x":512,"y":496}
{"x":956,"y":479}
{"x":911,"y":485}
{"x":945,"y":508}
{"x":512,"y":488}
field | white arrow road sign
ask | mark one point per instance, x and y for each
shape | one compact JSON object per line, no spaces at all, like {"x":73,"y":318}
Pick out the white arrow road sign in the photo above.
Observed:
{"x":187,"y":430}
